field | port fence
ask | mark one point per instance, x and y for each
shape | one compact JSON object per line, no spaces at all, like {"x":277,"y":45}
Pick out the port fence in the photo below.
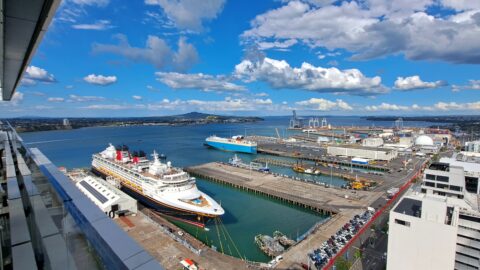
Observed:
{"x":374,"y":218}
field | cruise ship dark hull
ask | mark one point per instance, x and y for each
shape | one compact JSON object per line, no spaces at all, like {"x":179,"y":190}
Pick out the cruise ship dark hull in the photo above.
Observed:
{"x":191,"y":218}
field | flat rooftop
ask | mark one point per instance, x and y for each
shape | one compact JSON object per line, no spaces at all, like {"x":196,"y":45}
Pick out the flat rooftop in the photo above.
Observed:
{"x":469,"y":164}
{"x":409,"y":207}
{"x":440,"y":166}
{"x":354,"y":146}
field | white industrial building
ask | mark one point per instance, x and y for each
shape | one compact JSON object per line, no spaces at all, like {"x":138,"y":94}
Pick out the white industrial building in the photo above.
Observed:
{"x":438,"y":227}
{"x":471,"y":168}
{"x":107,"y":197}
{"x":445,"y":180}
{"x":372,"y":142}
{"x":425,"y":144}
{"x":370,"y":153}
{"x":408,"y":141}
{"x":404,"y":144}
{"x":473,"y":146}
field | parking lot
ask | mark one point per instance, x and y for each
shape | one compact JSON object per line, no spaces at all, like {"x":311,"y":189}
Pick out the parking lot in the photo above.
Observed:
{"x":328,"y":249}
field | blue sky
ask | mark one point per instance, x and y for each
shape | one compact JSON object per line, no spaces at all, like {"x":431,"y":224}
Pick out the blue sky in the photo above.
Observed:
{"x":324,"y":57}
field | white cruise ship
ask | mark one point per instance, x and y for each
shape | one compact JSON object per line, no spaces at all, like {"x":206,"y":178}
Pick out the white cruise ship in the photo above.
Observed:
{"x":158,"y":185}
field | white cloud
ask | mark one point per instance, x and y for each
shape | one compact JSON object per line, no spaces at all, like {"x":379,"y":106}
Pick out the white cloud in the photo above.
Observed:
{"x":387,"y":107}
{"x":100,"y":79}
{"x":34,"y":74}
{"x":472,"y":85}
{"x":262,"y":94}
{"x":197,"y":81}
{"x":99,"y":3}
{"x":70,"y":11}
{"x":42,"y":107}
{"x":16,"y":99}
{"x":56,"y":99}
{"x":439,"y":106}
{"x":414,"y":82}
{"x":37,"y":93}
{"x":189,"y":14}
{"x":375,"y":28}
{"x":137,"y":97}
{"x":321,"y":104}
{"x":75,"y":98}
{"x":279,"y":74}
{"x":152,"y":88}
{"x":449,"y":106}
{"x":98,"y":25}
{"x":113,"y":107}
{"x":461,"y":5}
{"x":264,"y":45}
{"x":156,"y":52}
{"x":226,"y":105}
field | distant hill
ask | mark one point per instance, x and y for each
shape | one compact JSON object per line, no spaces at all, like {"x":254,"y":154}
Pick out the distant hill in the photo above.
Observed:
{"x":199,"y":115}
{"x":26,"y":124}
{"x":194,"y":115}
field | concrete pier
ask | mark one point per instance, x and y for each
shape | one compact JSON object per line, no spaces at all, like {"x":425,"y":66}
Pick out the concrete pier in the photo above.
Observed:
{"x":327,"y":201}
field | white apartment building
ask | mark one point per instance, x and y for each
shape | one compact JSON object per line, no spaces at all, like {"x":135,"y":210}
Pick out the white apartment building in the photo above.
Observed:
{"x":471,"y":168}
{"x":436,"y":226}
{"x":473,"y":146}
{"x":428,"y":231}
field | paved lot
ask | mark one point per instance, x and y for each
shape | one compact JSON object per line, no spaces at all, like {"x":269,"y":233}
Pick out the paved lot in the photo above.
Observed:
{"x":170,"y":252}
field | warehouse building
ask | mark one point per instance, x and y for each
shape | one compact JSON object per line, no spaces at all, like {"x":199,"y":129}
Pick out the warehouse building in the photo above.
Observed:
{"x":372,"y":142}
{"x":371,"y":153}
{"x":108,"y":198}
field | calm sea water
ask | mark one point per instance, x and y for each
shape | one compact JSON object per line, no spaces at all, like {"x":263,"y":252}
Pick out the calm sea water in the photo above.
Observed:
{"x":246,"y":214}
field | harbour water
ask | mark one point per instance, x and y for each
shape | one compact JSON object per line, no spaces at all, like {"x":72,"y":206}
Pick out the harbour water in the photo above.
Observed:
{"x":246,"y":214}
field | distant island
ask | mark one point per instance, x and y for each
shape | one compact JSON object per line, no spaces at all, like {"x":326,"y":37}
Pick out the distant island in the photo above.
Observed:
{"x":30,"y":124}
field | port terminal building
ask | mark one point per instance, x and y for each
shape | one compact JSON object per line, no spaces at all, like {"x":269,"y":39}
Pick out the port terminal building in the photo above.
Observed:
{"x":111,"y":200}
{"x":355,"y":151}
{"x":436,"y":226}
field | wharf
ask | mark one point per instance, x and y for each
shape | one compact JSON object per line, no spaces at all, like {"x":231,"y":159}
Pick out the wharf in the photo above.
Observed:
{"x":327,"y":201}
{"x":144,"y":228}
{"x":327,"y":171}
{"x":302,"y":153}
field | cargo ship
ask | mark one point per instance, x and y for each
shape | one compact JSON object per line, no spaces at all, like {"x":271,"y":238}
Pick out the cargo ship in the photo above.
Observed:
{"x":234,"y":144}
{"x":156,"y":184}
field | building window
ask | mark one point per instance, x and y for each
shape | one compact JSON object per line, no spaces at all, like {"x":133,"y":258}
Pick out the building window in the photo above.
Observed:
{"x":430,"y":176}
{"x":442,"y":178}
{"x":442,"y":186}
{"x":455,"y":188}
{"x":402,"y":222}
{"x":471,"y":184}
{"x":466,"y":255}
{"x":429,"y":184}
{"x":470,"y":218}
{"x":466,"y":264}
